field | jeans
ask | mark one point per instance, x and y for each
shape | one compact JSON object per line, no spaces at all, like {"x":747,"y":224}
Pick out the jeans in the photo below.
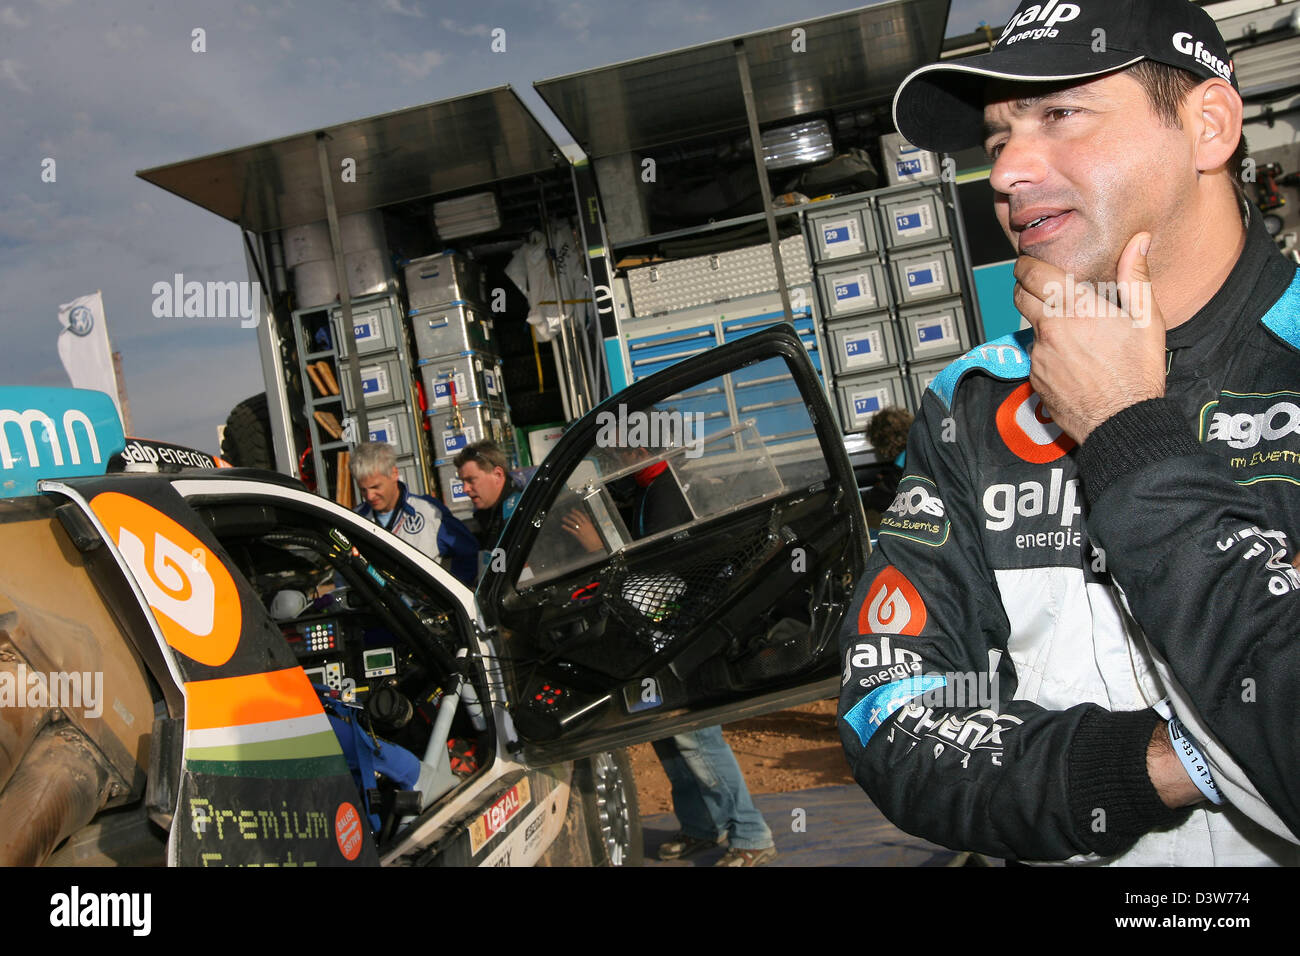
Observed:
{"x":709,"y":793}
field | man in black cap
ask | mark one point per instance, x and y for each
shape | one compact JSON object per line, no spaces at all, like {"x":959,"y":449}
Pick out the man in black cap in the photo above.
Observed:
{"x":1091,"y":657}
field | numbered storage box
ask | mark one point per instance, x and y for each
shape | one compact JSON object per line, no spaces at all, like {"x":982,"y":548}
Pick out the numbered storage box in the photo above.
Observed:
{"x":922,"y":376}
{"x":394,"y":426}
{"x":929,"y":274}
{"x":905,"y":163}
{"x":913,"y":219}
{"x":443,"y":279}
{"x":375,"y":327}
{"x":860,"y":345}
{"x":861,"y":396}
{"x":469,"y":422}
{"x":843,"y":232}
{"x":408,"y":471}
{"x":382,"y":382}
{"x":452,"y":490}
{"x":468,"y":377}
{"x":451,"y":330}
{"x":859,"y":288}
{"x":933,"y":331}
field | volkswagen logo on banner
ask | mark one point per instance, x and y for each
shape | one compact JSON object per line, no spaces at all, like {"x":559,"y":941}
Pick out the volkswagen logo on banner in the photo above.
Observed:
{"x":80,"y":321}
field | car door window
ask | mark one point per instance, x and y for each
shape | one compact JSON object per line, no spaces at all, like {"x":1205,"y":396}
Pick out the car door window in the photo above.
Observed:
{"x":655,"y":470}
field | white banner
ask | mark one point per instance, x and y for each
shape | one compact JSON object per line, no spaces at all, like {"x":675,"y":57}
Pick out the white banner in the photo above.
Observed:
{"x":84,"y":348}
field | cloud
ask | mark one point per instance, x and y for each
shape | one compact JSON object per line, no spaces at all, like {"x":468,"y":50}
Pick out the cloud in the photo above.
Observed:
{"x":12,"y":18}
{"x":416,"y":66}
{"x":477,"y":30}
{"x":395,"y":6}
{"x":9,"y":73}
{"x":285,"y":44}
{"x":120,"y":37}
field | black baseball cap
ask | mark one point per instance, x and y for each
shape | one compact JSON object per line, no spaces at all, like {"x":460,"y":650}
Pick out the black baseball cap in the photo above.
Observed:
{"x":940,"y":107}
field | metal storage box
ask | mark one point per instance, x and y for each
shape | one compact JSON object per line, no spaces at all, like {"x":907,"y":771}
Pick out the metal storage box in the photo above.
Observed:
{"x":843,"y":232}
{"x":408,"y":470}
{"x":931,"y":274}
{"x":922,"y":375}
{"x":393,"y":426}
{"x":699,"y":280}
{"x":914,"y":219}
{"x":860,"y":288}
{"x":931,"y":332}
{"x":861,"y":396}
{"x":382,"y":382}
{"x":451,"y":330}
{"x":478,"y":420}
{"x":862,"y":344}
{"x":466,"y":215}
{"x":438,"y":280}
{"x":473,"y":376}
{"x":905,"y":163}
{"x":452,"y":490}
{"x":375,"y":327}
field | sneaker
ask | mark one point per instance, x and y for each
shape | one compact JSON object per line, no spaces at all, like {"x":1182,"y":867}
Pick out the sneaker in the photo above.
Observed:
{"x":738,"y":857}
{"x":682,"y":844}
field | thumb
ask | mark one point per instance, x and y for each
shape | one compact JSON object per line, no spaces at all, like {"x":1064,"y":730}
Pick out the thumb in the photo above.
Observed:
{"x":1134,"y":277}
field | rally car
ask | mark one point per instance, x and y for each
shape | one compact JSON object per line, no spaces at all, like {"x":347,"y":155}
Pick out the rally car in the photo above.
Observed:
{"x":217,"y":667}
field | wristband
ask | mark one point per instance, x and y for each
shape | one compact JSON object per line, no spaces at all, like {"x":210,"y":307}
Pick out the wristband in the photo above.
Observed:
{"x":1189,"y":754}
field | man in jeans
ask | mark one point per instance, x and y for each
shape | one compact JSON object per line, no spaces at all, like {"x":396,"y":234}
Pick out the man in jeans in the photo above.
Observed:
{"x":711,"y":801}
{"x":710,"y":798}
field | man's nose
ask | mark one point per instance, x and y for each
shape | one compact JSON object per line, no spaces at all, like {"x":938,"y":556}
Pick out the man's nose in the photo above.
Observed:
{"x":1021,"y":162}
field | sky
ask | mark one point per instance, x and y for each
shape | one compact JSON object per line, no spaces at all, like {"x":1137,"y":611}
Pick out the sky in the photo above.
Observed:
{"x":109,"y":88}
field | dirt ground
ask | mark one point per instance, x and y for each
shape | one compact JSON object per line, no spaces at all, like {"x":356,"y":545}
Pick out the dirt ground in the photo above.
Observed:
{"x":779,"y":752}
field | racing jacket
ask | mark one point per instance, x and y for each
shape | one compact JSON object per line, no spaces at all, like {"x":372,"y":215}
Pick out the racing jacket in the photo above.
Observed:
{"x":1029,"y":601}
{"x":429,"y":526}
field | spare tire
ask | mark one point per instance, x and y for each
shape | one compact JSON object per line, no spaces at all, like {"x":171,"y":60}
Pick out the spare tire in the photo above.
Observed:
{"x":247,"y":440}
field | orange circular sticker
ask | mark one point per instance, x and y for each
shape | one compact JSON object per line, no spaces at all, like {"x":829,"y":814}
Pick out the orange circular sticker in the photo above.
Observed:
{"x":893,"y":606}
{"x":347,"y":830}
{"x":1028,"y":430}
{"x":193,"y":596}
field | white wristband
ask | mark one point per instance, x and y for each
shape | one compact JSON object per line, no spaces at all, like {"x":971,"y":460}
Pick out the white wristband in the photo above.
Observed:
{"x":1194,"y":762}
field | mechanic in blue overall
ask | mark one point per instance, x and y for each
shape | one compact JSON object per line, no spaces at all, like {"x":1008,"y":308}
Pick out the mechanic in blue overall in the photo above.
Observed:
{"x":710,"y":798}
{"x":493,"y":489}
{"x":423,"y":522}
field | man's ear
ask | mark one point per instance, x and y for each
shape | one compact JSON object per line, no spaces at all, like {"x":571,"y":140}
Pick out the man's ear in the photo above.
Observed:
{"x":1216,"y":112}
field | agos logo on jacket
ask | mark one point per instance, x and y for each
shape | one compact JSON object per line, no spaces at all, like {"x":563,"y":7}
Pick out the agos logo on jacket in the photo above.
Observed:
{"x":1242,"y":427}
{"x":893,"y":606}
{"x":917,"y":513}
{"x":1028,"y":430}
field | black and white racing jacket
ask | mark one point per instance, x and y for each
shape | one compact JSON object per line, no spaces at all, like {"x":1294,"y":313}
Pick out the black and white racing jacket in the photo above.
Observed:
{"x":1030,"y":601}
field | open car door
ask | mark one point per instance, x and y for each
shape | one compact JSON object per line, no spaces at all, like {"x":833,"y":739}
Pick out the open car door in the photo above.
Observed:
{"x":682,"y":557}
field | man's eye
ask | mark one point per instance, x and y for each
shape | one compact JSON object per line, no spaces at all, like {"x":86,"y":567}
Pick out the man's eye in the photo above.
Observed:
{"x":994,"y":150}
{"x":1061,"y":112}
